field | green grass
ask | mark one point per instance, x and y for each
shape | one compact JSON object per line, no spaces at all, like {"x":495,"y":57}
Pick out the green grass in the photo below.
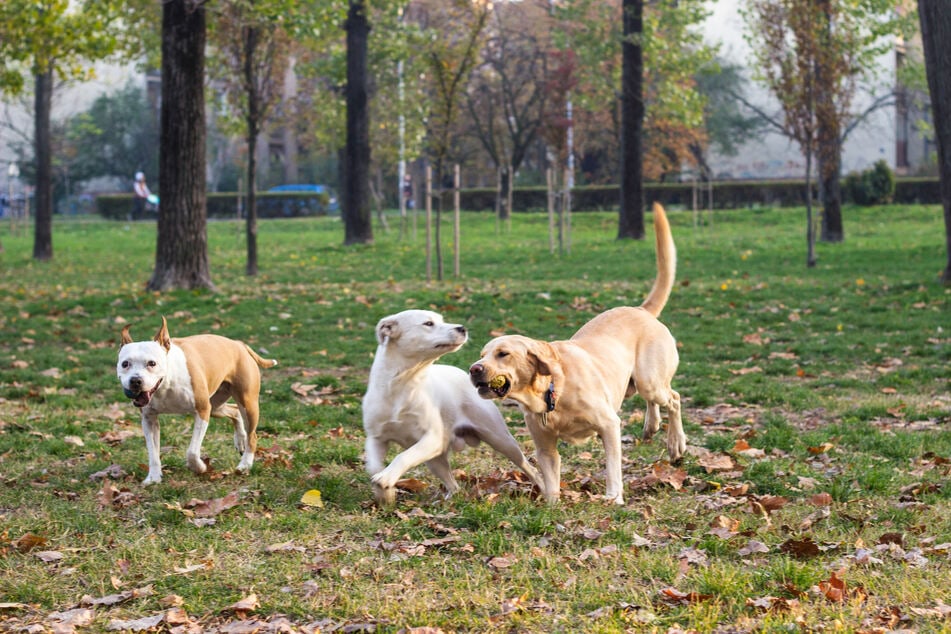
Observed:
{"x":839,"y":374}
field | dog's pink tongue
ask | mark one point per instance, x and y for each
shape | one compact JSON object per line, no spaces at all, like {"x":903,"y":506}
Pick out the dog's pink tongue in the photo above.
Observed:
{"x":142,"y":399}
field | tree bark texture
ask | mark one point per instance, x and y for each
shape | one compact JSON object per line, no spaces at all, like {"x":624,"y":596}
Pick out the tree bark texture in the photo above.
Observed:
{"x":935,"y":16}
{"x":631,"y":217}
{"x":830,"y":190}
{"x":43,"y":228}
{"x":358,"y":226}
{"x":828,"y":138}
{"x":631,"y":220}
{"x":181,"y":254}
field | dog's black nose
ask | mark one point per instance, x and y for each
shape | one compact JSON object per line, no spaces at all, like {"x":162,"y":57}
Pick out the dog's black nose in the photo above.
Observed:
{"x":135,"y":383}
{"x":461,"y":330}
{"x":475,"y":369}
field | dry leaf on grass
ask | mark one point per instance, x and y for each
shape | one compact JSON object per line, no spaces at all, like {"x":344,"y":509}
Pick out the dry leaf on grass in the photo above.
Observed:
{"x":248,"y":604}
{"x":673,"y":595}
{"x":113,"y":599}
{"x":136,"y":625}
{"x":210,"y":508}
{"x":27,"y":542}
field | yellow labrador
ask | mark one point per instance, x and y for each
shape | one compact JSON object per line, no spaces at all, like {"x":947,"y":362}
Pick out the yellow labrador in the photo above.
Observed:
{"x":572,"y":390}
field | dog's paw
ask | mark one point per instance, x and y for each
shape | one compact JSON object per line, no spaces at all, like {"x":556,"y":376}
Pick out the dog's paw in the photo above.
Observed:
{"x":384,"y":496}
{"x":676,"y":448}
{"x":152,"y":479}
{"x":244,"y":467}
{"x":617,"y":498}
{"x":196,"y":464}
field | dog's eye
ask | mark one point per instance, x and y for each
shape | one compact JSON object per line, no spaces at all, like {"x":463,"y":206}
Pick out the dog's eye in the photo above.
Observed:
{"x":151,"y":364}
{"x":429,"y":324}
{"x":501,"y":354}
{"x":125,"y":364}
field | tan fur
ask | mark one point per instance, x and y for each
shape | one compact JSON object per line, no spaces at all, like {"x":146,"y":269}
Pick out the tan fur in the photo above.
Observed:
{"x":621,"y":352}
{"x":197,"y":375}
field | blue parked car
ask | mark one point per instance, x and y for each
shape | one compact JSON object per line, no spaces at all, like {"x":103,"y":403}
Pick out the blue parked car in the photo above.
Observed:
{"x":322,"y":201}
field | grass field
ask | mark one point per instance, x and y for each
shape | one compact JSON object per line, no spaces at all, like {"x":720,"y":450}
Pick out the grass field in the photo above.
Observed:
{"x":815,"y":494}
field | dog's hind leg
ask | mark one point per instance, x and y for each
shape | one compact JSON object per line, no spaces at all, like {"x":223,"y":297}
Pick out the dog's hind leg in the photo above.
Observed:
{"x":441,"y":469}
{"x":676,"y":438}
{"x":249,"y":437}
{"x":651,"y":420}
{"x":503,"y":442}
{"x":232,"y":413}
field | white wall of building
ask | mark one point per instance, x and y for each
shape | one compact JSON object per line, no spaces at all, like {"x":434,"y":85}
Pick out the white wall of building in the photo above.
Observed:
{"x":16,"y":118}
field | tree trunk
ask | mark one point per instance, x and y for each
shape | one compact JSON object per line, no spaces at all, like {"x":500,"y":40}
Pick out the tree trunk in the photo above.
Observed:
{"x":358,"y":226}
{"x":505,"y":186}
{"x":251,"y":223}
{"x":43,"y":235}
{"x":631,"y":217}
{"x":935,"y":34}
{"x":830,"y":186}
{"x":253,"y":124}
{"x":828,"y":137}
{"x":810,"y":226}
{"x":181,"y":252}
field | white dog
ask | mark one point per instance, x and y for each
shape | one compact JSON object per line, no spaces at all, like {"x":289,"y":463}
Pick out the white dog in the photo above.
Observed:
{"x":192,"y":375}
{"x":427,"y":409}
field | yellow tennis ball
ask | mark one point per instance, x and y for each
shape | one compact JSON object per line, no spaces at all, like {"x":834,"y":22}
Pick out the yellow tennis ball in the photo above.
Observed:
{"x":497,"y":382}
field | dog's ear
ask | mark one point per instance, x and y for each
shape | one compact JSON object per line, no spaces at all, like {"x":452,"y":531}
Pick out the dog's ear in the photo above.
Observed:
{"x":386,"y":329}
{"x":544,"y":357}
{"x":125,"y":336}
{"x":162,"y":336}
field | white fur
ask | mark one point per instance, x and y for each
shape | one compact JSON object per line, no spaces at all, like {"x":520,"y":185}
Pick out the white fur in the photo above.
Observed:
{"x":159,"y":369}
{"x":427,"y":409}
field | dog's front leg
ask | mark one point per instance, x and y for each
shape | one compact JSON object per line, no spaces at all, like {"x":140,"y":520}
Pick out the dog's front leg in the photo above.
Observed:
{"x":193,"y":455}
{"x":614,"y":482}
{"x":150,"y":429}
{"x":549,"y":463}
{"x":427,"y":448}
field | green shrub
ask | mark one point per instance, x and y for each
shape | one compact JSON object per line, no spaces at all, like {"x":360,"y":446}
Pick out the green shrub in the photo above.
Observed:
{"x":875,"y":186}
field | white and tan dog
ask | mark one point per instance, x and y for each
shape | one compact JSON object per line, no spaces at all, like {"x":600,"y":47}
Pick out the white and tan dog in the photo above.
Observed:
{"x":426,"y":408}
{"x":193,"y":375}
{"x":572,"y":390}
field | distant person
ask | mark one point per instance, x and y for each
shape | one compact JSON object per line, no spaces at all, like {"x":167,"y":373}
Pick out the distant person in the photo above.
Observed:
{"x":408,"y":190}
{"x":141,"y":195}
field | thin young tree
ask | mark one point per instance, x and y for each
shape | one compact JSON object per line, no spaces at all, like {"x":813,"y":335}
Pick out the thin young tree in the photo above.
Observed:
{"x":181,"y":250}
{"x":252,"y":47}
{"x":935,"y":20}
{"x":506,"y":95}
{"x":450,"y":57}
{"x":786,"y":59}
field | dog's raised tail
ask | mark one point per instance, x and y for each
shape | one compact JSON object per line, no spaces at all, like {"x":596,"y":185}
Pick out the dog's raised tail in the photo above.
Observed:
{"x":666,"y":264}
{"x":264,"y":363}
